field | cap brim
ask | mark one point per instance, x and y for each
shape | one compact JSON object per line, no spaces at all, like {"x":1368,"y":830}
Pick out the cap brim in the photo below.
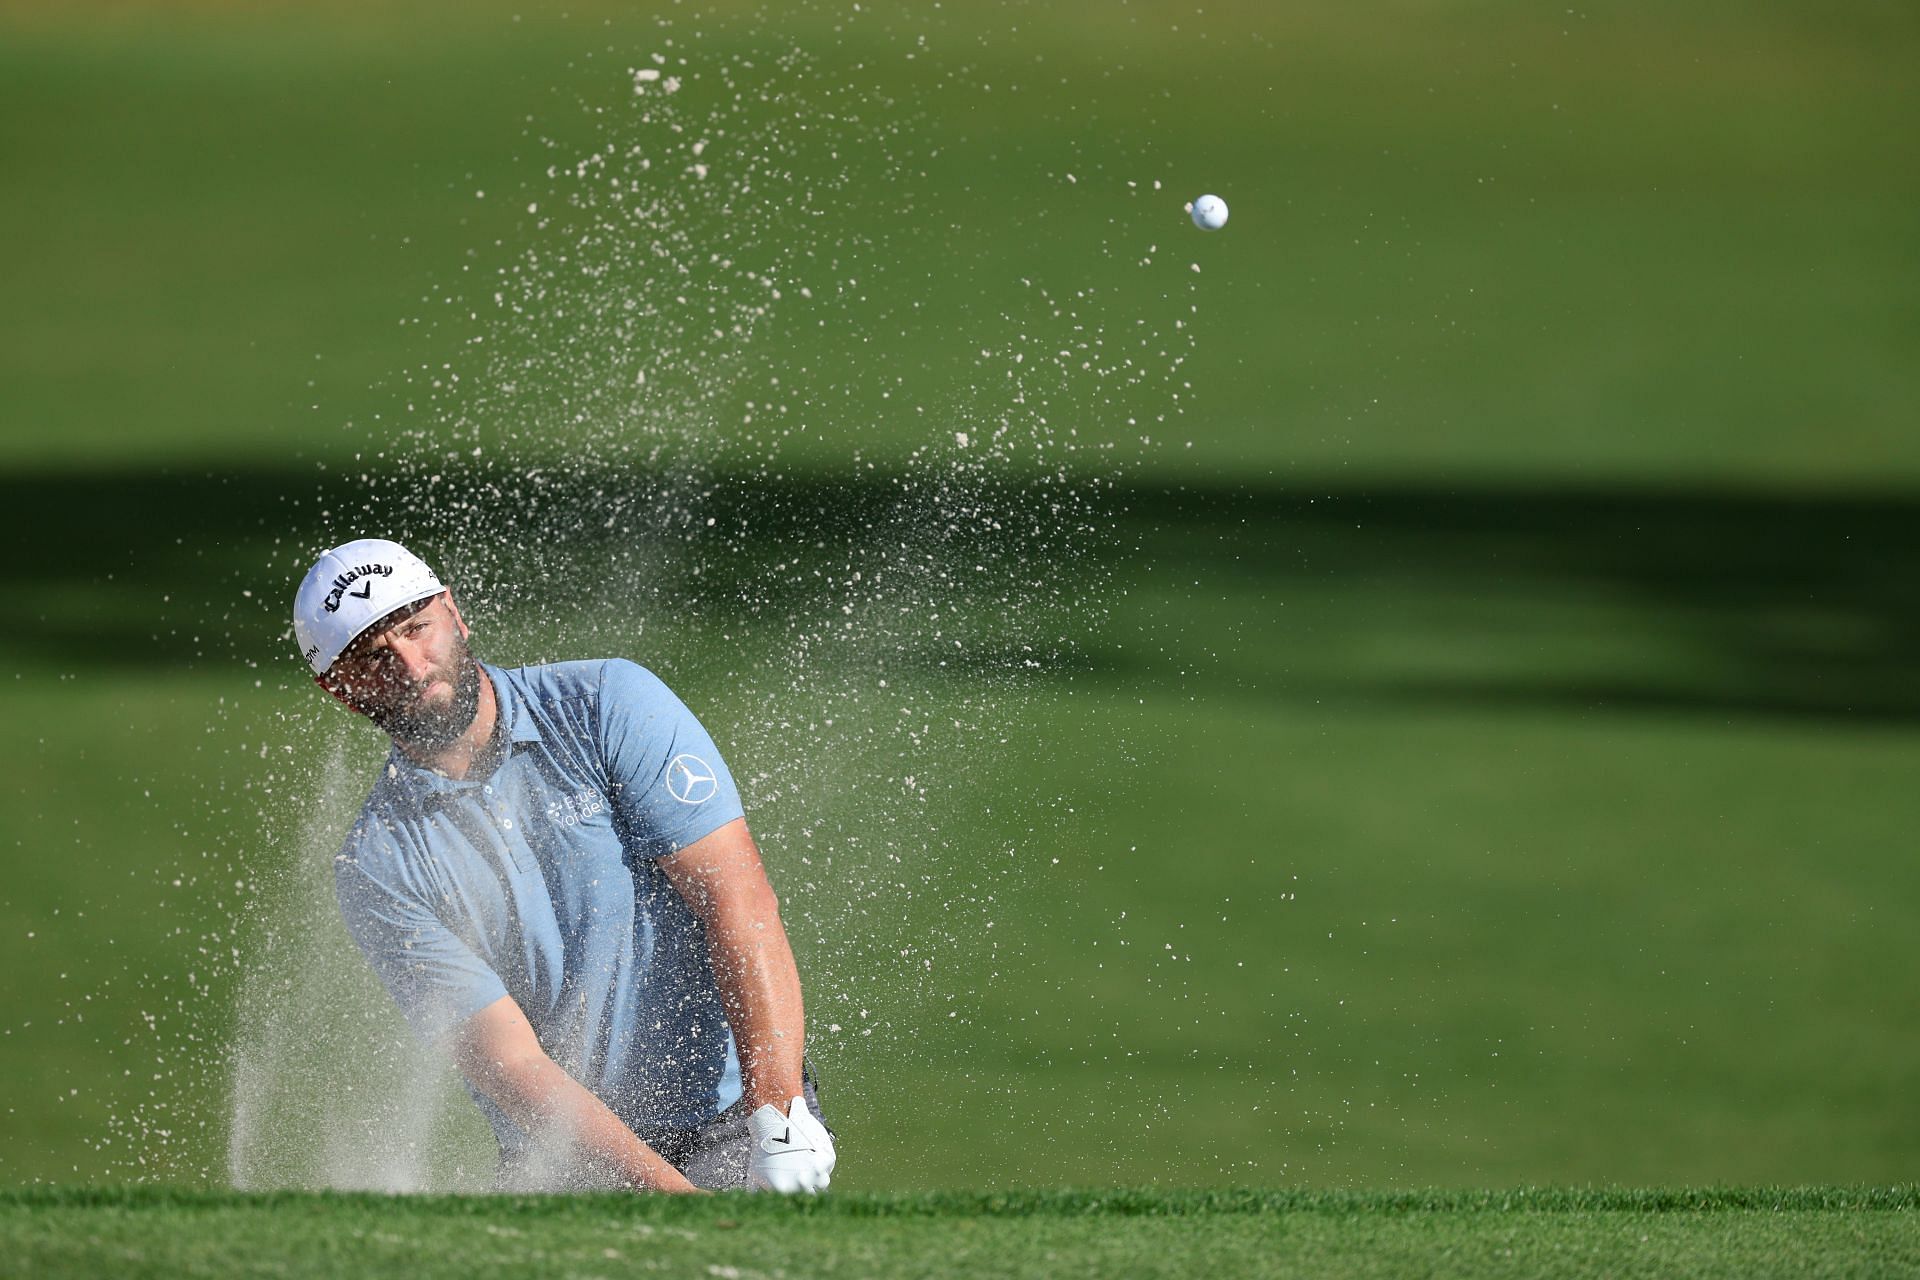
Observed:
{"x":426,"y":594}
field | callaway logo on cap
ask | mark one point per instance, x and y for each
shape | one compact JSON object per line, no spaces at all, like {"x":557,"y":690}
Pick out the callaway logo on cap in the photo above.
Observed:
{"x":352,"y":587}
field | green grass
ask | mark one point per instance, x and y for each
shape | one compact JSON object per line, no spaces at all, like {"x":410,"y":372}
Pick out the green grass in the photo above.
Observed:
{"x":1532,"y":1233}
{"x":1376,"y":841}
{"x":1472,"y":731}
{"x":1467,"y":241}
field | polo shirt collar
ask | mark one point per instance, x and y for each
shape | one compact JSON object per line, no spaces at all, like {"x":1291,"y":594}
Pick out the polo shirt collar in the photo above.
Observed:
{"x":508,"y":706}
{"x":520,"y":722}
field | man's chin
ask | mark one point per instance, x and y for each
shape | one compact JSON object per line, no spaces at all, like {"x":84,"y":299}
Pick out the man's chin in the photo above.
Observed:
{"x":420,"y":727}
{"x":436,"y":718}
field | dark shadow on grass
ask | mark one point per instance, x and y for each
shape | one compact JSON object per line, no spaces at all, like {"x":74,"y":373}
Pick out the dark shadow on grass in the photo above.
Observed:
{"x":1763,"y":603}
{"x":1784,"y":603}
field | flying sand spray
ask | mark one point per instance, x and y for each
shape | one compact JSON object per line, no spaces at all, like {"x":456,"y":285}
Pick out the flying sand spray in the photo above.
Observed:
{"x":590,"y":484}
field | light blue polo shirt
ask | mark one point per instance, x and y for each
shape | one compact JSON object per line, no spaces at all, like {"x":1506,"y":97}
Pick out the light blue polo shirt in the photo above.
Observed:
{"x":539,"y":883}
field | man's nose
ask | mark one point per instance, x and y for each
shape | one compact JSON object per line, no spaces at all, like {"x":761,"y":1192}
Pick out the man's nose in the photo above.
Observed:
{"x":411,"y":661}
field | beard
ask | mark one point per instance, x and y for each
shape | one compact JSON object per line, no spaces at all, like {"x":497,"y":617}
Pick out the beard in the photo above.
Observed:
{"x":418,"y":724}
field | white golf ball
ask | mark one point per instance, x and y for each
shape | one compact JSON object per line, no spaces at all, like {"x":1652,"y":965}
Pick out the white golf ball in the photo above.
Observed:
{"x":1209,"y":213}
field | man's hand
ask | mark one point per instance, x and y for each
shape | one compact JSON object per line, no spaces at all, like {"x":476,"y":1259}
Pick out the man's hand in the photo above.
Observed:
{"x":790,"y":1153}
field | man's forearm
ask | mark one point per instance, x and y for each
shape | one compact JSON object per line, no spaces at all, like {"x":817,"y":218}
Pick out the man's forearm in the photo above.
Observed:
{"x":721,"y":878}
{"x":760,"y":987}
{"x":540,"y":1097}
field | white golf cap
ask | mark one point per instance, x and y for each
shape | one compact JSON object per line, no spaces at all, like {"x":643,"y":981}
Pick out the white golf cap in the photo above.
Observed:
{"x":352,"y":587}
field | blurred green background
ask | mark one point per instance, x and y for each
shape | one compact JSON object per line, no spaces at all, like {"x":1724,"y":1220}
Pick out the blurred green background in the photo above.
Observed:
{"x":1411,"y":689}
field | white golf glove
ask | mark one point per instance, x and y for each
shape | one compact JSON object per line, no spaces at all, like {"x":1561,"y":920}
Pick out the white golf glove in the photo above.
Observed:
{"x":790,"y":1153}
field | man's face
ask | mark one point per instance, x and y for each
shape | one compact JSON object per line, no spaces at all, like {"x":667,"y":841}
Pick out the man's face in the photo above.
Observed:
{"x":411,"y":673}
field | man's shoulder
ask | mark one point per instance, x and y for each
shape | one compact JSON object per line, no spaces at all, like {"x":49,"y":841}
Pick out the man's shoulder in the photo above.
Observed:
{"x":378,"y":833}
{"x":581,"y":675}
{"x":591,"y":678}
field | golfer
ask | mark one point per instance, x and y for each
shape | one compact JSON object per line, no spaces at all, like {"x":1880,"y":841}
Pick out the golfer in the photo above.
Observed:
{"x":553,"y":878}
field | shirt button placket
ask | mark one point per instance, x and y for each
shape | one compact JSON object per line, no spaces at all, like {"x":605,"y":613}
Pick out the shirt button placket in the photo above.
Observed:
{"x":506,"y":824}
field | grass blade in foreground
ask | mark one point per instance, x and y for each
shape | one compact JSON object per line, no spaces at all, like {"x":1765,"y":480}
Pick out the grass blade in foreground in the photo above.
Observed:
{"x":1533,"y":1233}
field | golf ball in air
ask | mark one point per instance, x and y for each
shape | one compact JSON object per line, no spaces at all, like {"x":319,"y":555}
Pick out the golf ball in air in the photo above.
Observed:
{"x":1209,"y":213}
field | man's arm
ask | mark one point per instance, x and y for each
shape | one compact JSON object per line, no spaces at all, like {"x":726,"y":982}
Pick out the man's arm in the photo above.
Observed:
{"x":722,"y":879}
{"x":499,"y":1054}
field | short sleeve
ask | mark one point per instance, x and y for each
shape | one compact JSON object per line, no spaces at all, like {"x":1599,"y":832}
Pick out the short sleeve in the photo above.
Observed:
{"x":667,"y":782}
{"x":435,"y":978}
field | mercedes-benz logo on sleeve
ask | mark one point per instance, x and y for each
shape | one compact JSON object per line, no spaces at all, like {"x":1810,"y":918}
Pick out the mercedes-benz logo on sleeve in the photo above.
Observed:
{"x":691,"y":780}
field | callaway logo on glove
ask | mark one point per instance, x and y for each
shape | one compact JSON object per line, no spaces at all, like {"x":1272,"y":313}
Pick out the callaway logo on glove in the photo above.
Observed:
{"x":791,"y":1153}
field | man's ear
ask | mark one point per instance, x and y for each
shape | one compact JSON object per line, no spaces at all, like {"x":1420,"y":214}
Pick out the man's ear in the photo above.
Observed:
{"x":333,"y":690}
{"x":458,"y":621}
